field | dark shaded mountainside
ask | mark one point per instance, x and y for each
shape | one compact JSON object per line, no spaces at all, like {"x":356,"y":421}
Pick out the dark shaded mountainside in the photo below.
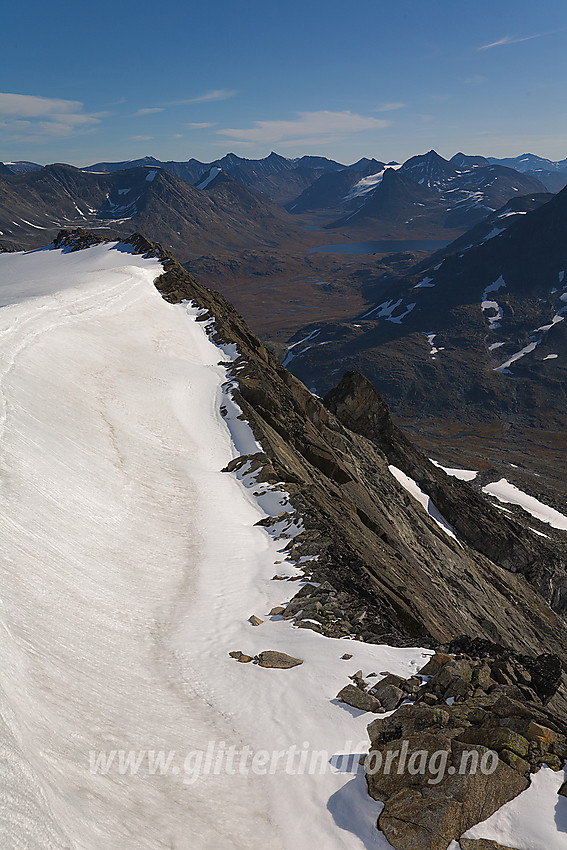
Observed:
{"x":334,"y":189}
{"x":396,"y":575}
{"x":225,"y":215}
{"x":279,"y":178}
{"x":475,"y":333}
{"x":431,"y":191}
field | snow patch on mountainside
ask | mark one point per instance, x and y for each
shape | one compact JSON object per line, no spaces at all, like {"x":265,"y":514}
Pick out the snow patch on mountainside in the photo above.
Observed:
{"x":488,"y":305}
{"x":527,"y":349}
{"x":510,"y":494}
{"x":214,"y":172}
{"x":462,"y":474}
{"x":424,"y":500}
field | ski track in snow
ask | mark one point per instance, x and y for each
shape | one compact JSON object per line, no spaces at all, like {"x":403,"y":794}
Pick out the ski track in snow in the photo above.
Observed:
{"x":131,"y":566}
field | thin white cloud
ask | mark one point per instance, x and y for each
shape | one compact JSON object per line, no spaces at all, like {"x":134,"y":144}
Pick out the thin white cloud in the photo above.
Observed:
{"x":199,"y":125}
{"x":43,"y":116}
{"x":510,"y":39}
{"x":30,"y":106}
{"x":150,"y":110}
{"x":307,"y":124}
{"x":216,"y":94}
{"x":389,"y":107}
{"x":142,"y":138}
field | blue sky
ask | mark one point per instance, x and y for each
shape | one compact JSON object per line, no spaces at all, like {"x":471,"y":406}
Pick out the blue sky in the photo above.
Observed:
{"x":118,"y":80}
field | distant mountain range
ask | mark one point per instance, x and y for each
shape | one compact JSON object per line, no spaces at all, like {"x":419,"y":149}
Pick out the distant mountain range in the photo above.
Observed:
{"x":284,"y":180}
{"x":552,"y":174}
{"x":425,"y":196}
{"x":425,"y":190}
{"x":280,"y":178}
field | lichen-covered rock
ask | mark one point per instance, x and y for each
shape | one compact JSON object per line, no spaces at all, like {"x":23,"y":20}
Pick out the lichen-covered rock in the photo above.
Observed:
{"x":240,"y":656}
{"x":390,"y":697}
{"x":357,"y":698}
{"x":435,"y":663}
{"x":496,"y":738}
{"x":279,"y":660}
{"x":412,"y":820}
{"x":482,"y":844}
{"x":430,"y":816}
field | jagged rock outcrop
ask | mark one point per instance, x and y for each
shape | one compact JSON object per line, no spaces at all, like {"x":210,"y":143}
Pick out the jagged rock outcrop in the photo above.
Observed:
{"x":466,"y":746}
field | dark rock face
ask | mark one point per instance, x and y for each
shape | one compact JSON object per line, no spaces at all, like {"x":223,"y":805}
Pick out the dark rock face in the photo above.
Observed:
{"x":361,"y":409}
{"x":441,"y":768}
{"x":331,"y":189}
{"x":397,"y":198}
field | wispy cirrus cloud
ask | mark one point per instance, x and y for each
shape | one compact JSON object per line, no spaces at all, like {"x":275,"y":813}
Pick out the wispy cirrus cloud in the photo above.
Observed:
{"x":215,"y":94}
{"x":200,"y":125}
{"x":389,"y":107}
{"x":149,"y":110}
{"x":306,"y":125}
{"x":511,"y":39}
{"x":32,"y":118}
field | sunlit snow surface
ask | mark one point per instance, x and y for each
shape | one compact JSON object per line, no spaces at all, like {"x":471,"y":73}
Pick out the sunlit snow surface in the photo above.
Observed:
{"x":508,"y":493}
{"x":535,"y":820}
{"x":424,"y":500}
{"x":130,"y":566}
{"x":462,"y":474}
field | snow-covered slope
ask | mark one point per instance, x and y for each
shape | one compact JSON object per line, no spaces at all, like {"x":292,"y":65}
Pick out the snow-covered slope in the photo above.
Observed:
{"x":131,"y":565}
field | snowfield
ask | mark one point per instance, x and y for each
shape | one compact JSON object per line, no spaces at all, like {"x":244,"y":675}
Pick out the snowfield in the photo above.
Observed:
{"x":131,"y":566}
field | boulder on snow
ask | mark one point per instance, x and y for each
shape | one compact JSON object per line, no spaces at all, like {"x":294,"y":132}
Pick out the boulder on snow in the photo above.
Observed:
{"x":280,"y":660}
{"x":240,"y":656}
{"x":254,"y":620}
{"x":358,"y":698}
